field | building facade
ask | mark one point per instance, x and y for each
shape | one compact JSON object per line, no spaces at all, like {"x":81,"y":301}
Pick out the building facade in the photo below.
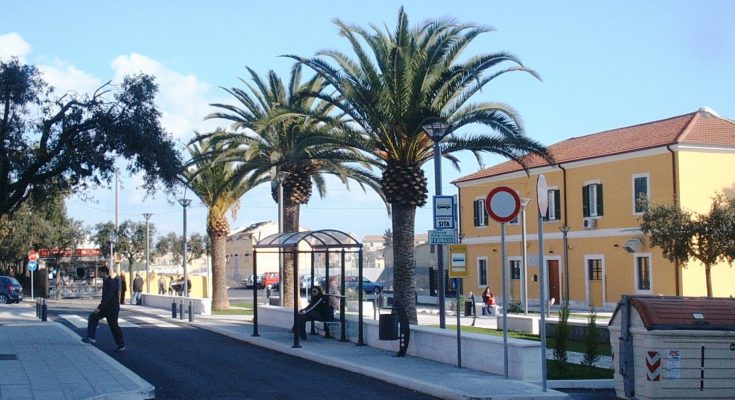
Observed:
{"x":593,"y":189}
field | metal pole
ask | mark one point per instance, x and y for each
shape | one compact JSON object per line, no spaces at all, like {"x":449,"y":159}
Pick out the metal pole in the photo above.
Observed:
{"x":185,"y":203}
{"x":147,"y":216}
{"x":542,"y":297}
{"x":524,"y":275}
{"x":440,"y":248}
{"x":459,"y":336}
{"x":505,"y":298}
{"x":565,"y":230}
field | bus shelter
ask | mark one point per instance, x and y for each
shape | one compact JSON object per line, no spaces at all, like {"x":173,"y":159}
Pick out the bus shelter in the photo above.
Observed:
{"x":325,"y":241}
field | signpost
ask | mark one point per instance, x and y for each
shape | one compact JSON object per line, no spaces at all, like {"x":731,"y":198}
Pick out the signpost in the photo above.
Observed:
{"x":542,"y":197}
{"x":32,"y":265}
{"x":502,"y":205}
{"x":445,"y":224}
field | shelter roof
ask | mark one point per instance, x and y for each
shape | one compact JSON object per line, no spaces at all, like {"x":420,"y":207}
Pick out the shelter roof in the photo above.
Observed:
{"x":320,"y":239}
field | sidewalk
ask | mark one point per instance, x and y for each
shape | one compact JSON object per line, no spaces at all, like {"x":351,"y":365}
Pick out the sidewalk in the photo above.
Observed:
{"x":434,"y":378}
{"x":46,"y":360}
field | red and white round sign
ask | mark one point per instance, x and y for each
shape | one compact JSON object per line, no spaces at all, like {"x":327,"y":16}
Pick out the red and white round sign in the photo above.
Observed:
{"x":503,"y":204}
{"x":32,"y":255}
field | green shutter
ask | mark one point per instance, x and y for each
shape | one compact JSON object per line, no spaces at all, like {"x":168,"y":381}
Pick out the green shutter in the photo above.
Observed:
{"x":557,"y":204}
{"x":475,"y":212}
{"x":585,"y":201}
{"x":599,"y":199}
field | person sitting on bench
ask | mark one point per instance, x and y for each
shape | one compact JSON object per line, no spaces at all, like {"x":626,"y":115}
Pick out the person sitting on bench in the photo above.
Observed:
{"x":317,"y":310}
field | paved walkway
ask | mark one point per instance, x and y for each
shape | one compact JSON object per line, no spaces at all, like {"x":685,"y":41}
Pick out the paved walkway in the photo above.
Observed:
{"x":45,"y":360}
{"x":48,"y":361}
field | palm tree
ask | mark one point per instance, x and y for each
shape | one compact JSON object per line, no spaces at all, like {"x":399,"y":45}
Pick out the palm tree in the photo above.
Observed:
{"x":282,"y":132}
{"x":398,"y":82}
{"x":212,"y":180}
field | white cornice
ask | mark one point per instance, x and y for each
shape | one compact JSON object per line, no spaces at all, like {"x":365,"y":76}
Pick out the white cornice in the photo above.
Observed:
{"x":583,"y":234}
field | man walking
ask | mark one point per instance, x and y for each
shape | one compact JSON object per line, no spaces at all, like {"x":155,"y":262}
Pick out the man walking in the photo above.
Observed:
{"x":109,"y":308}
{"x":137,"y":290}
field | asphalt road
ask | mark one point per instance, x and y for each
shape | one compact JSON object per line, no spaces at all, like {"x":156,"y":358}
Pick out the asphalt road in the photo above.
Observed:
{"x":184,"y":362}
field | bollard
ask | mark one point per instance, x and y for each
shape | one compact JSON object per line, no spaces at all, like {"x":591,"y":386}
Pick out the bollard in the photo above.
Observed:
{"x":38,"y":309}
{"x":44,"y":310}
{"x":191,"y":315}
{"x":181,"y":309}
{"x":173,"y":309}
{"x":268,"y":292}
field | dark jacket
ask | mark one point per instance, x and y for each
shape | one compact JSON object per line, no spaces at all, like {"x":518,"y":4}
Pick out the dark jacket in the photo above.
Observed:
{"x":138,"y":284}
{"x":110,"y":295}
{"x":318,"y":304}
{"x":123,"y":283}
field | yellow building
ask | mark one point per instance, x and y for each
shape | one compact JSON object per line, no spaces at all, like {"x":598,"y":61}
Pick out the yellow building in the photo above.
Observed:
{"x":592,"y":190}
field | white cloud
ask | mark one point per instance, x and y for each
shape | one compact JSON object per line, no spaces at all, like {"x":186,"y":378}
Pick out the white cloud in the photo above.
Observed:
{"x":13,"y":45}
{"x":182,"y":98}
{"x":68,"y":78}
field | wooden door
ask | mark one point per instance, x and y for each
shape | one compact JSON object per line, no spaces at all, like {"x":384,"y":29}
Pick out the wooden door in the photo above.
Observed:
{"x":553,"y":274}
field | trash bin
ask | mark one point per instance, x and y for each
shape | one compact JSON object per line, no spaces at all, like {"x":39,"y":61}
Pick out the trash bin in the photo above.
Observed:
{"x":673,"y":347}
{"x":468,"y":309}
{"x":388,"y":327}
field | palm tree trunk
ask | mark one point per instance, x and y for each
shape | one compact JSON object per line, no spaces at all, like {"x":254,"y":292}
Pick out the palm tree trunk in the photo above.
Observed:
{"x":404,"y":262}
{"x":290,"y":224}
{"x":220,"y":299}
{"x":708,"y":276}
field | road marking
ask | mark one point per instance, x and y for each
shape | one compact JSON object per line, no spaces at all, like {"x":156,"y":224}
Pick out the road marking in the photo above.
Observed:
{"x":156,"y":322}
{"x":80,"y":322}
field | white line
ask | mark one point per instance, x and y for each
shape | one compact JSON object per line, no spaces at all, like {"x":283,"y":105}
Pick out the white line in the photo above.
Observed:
{"x":156,"y":322}
{"x":75,"y":320}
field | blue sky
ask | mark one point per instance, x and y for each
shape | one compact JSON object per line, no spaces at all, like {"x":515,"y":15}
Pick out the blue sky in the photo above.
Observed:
{"x":604,"y":65}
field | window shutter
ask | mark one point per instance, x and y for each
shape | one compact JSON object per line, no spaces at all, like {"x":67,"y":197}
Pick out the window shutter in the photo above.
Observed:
{"x":486,"y":220}
{"x":476,"y":213}
{"x":599,"y":199}
{"x":557,"y":204}
{"x":585,"y":201}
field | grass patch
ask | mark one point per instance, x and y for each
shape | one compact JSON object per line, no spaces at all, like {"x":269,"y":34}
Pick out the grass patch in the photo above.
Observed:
{"x":232,"y":311}
{"x":575,"y":371}
{"x":242,"y":304}
{"x":604,"y":349}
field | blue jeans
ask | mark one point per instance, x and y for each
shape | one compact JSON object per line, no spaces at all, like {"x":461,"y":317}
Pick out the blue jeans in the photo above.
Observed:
{"x":137,"y":298}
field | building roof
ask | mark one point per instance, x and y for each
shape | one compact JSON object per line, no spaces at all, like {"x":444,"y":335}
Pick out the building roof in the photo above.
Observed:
{"x":373,"y":238}
{"x":703,"y":127}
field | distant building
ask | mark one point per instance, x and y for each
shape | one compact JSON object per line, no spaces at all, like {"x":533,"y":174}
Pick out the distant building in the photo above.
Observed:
{"x":239,"y":252}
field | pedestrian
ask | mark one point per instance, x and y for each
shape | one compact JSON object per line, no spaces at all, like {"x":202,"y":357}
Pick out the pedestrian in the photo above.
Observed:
{"x":489,"y":307}
{"x":334,"y":294}
{"x":109,"y":309}
{"x":161,"y":285}
{"x":137,"y":290}
{"x":123,"y":287}
{"x":317,"y":310}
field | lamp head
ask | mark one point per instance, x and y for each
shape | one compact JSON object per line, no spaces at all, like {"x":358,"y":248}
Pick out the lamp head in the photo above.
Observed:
{"x":436,"y":130}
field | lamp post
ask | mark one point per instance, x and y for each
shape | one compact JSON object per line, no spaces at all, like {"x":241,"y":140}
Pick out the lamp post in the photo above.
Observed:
{"x":147,"y":216}
{"x":524,"y":275}
{"x":185,"y":203}
{"x":437,"y":131}
{"x":565,"y":230}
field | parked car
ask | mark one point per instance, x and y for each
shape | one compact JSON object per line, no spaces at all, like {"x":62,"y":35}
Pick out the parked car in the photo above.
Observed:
{"x":248,"y":282}
{"x":368,"y":286}
{"x":10,"y":290}
{"x":269,"y":279}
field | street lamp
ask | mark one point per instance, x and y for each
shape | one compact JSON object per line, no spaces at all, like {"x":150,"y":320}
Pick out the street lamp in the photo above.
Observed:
{"x":524,"y":275}
{"x":565,"y":230}
{"x":185,"y":203}
{"x":437,"y":131}
{"x":147,"y":216}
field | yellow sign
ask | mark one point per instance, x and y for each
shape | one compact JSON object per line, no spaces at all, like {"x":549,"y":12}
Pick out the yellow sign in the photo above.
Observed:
{"x":457,"y":260}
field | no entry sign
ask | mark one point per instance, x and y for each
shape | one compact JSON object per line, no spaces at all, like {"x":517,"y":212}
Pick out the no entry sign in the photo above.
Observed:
{"x":503,"y":204}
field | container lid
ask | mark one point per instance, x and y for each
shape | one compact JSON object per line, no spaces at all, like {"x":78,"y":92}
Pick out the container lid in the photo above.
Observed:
{"x":684,"y":313}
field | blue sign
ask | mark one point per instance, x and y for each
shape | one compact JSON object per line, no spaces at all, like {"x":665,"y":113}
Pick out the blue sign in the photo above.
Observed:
{"x":445,"y":212}
{"x":32,"y":265}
